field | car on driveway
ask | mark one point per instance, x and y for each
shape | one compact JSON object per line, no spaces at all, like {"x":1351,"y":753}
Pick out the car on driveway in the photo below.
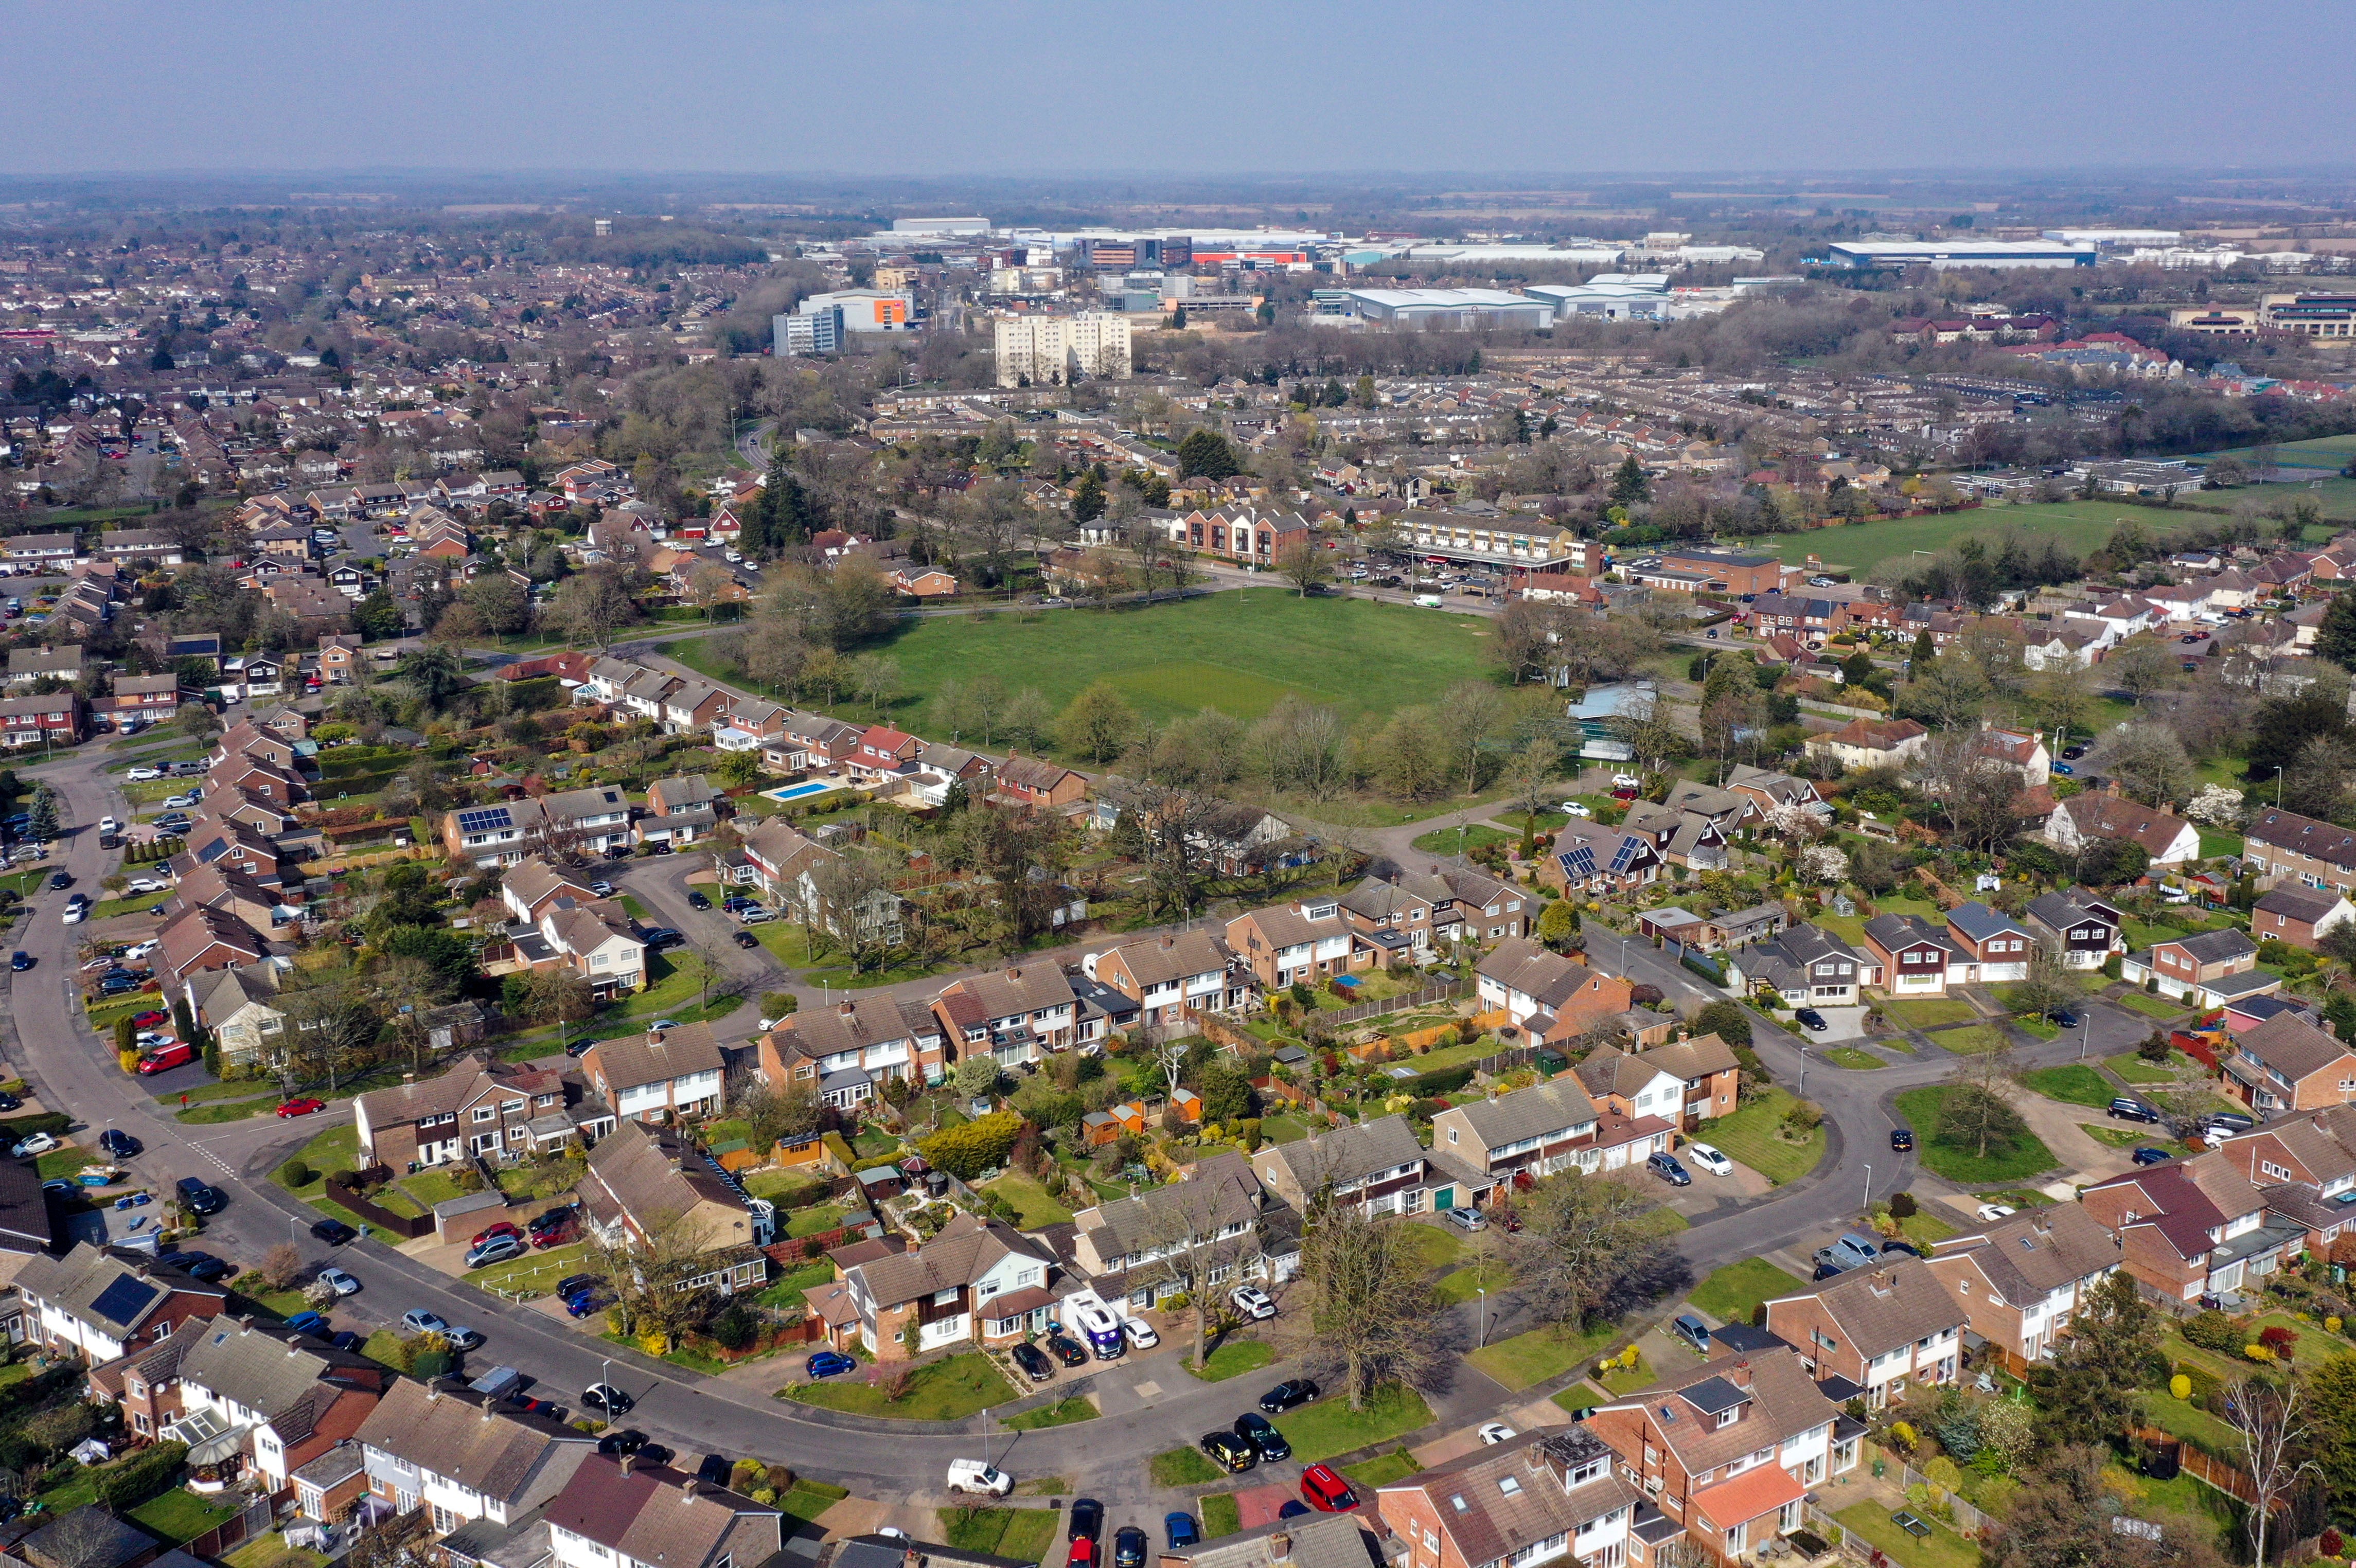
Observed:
{"x":1034,"y":1362}
{"x":499,"y":1249}
{"x":551,"y":1228}
{"x":1323,"y":1488}
{"x":1252,"y":1301}
{"x":1129,"y":1547}
{"x":1812,"y":1019}
{"x":417,"y":1320}
{"x":1666,"y":1167}
{"x":1067,"y":1350}
{"x":1468,"y":1220}
{"x":504,"y":1228}
{"x":1496,"y":1431}
{"x":39,"y":1143}
{"x":829,"y":1364}
{"x":1229,"y":1452}
{"x":313,"y":1323}
{"x":1692,"y":1330}
{"x":2149,"y":1156}
{"x":1180,"y":1529}
{"x":1995,"y":1211}
{"x":604,"y":889}
{"x":303,"y":1107}
{"x":1287,"y":1395}
{"x":1086,"y":1521}
{"x":2126,"y":1109}
{"x":1709,"y":1159}
{"x":1264,"y":1439}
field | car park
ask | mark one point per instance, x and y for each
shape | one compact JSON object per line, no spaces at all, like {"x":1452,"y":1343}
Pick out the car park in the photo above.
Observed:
{"x":1323,"y":1488}
{"x":418,"y":1321}
{"x":2126,"y":1108}
{"x":1901,"y":1138}
{"x":201,"y":1197}
{"x":1264,"y":1439}
{"x":1709,"y":1159}
{"x":1287,"y":1395}
{"x":1034,"y":1362}
{"x":1666,"y":1167}
{"x":334,"y":1233}
{"x":1086,"y":1521}
{"x":1252,"y":1302}
{"x":1229,"y":1452}
{"x":303,"y":1107}
{"x":979,"y":1476}
{"x":339,"y":1281}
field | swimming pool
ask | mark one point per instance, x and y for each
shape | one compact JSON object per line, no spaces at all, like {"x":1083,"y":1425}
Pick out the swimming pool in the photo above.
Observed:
{"x":800,"y":791}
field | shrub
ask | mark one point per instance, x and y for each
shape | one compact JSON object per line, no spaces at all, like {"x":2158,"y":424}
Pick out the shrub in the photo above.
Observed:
{"x":2180,"y":1387}
{"x":2154,"y":1049}
{"x":1902,"y":1206}
{"x":1902,"y":1434}
{"x":1942,"y":1473}
{"x":966,"y":1152}
{"x":2211,"y":1330}
{"x":141,"y":1477}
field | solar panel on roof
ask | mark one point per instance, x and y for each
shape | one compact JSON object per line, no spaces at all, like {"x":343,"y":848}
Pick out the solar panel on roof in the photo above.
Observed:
{"x":485,"y":821}
{"x":124,"y":1300}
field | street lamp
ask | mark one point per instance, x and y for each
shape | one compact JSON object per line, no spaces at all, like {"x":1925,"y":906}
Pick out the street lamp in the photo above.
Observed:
{"x":2277,"y":787}
{"x":1483,"y":1338}
{"x":1869,"y":1186}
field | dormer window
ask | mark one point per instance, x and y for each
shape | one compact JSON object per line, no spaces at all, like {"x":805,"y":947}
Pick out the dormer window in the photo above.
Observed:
{"x":1729,"y":1418}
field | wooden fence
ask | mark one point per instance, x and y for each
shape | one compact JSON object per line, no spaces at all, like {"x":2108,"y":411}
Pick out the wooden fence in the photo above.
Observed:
{"x":2204,"y":1466}
{"x":340,"y":1193}
{"x":1438,"y":991}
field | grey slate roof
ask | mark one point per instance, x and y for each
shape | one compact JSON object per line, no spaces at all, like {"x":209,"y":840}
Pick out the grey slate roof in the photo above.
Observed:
{"x":1555,"y":1106}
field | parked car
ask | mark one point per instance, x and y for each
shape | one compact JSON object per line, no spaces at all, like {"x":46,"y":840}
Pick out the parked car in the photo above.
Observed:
{"x":697,"y":901}
{"x":1034,"y":1362}
{"x":200,"y":1196}
{"x":629,"y":1440}
{"x":1140,"y":1333}
{"x":659,"y":936}
{"x":827,"y":1364}
{"x":1709,"y":1159}
{"x":607,"y":1398}
{"x":305,"y":1107}
{"x":346,"y":1340}
{"x":1468,"y":1220}
{"x":978,"y":1475}
{"x":1067,"y":1350}
{"x":1129,"y":1547}
{"x":142,"y":775}
{"x":1325,"y":1489}
{"x":1692,"y":1330}
{"x":1229,"y":1452}
{"x":1666,"y":1167}
{"x":1252,"y":1302}
{"x":60,"y":881}
{"x":1811,"y":1020}
{"x":1261,"y":1433}
{"x":499,"y":1249}
{"x":2062,"y":1018}
{"x":1901,"y":1138}
{"x":20,"y":961}
{"x":119,"y":1145}
{"x":1293,"y":1508}
{"x":489,"y":1232}
{"x":339,"y":1281}
{"x":581,"y":1305}
{"x":176,"y":1055}
{"x":418,"y":1321}
{"x":744,"y":939}
{"x":551,"y":1229}
{"x":1493,"y":1432}
{"x":604,"y":889}
{"x":334,"y":1233}
{"x":1180,"y":1529}
{"x":1080,"y":1554}
{"x":2126,"y":1108}
{"x":313,"y":1323}
{"x":1287,"y":1395}
{"x":149,"y":1019}
{"x":2149,"y":1156}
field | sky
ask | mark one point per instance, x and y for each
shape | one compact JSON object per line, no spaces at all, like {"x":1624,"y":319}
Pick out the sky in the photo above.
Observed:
{"x":913,"y":88}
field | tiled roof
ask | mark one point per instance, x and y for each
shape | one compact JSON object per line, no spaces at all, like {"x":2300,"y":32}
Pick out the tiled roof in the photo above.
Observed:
{"x":1555,"y":1106}
{"x":658,"y":1056}
{"x":2296,"y":1048}
{"x":2304,"y":834}
{"x":1785,"y":1402}
{"x":663,"y":1518}
{"x":1887,"y":1304}
{"x":1500,"y":1500}
{"x":464,"y":1436}
{"x":1349,"y":1153}
{"x":967,"y":1248}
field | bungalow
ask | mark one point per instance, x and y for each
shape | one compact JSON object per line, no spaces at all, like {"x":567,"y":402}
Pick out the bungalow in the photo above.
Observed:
{"x":2081,"y":819}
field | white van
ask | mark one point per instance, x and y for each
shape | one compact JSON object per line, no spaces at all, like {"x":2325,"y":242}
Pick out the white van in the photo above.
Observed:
{"x":978,"y":1475}
{"x":1427,"y":600}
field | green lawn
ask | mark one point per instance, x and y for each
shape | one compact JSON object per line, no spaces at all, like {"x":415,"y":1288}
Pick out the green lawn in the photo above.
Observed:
{"x":1621,"y":1382}
{"x":1220,"y":1515}
{"x":532,"y":1275}
{"x":1381,"y":1471}
{"x":1541,"y":1354}
{"x":1978,"y":1040}
{"x":1238,"y":652}
{"x":807,"y":1500}
{"x":1942,"y":1548}
{"x":181,"y":1515}
{"x":1183,"y":1467}
{"x":1922,"y":1012}
{"x":1464,"y":1284}
{"x":2151,"y":1005}
{"x":2079,"y":526}
{"x":1063,"y":1413}
{"x":2038,"y":1028}
{"x":2135,"y":1069}
{"x":2076,"y":1083}
{"x":1023,"y":1533}
{"x":1962,"y":1163}
{"x":1436,"y":1246}
{"x":1851,"y":1057}
{"x":1751,"y":1136}
{"x":430,"y":1186}
{"x":1730,"y":1293}
{"x":787,"y":1189}
{"x":947,"y":1390}
{"x":2118,"y":1137}
{"x":1233,"y":1359}
{"x":1031,"y":1201}
{"x":1330,"y":1426}
{"x":1444,"y":840}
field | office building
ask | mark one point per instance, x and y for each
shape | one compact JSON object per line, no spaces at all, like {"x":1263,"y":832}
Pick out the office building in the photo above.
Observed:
{"x":807,"y":331}
{"x":2312,"y":315}
{"x":1051,"y":350}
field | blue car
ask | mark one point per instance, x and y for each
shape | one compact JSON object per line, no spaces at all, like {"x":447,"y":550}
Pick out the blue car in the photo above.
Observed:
{"x":310,"y":1323}
{"x":2064,"y":1018}
{"x":2149,"y":1156}
{"x":20,"y":962}
{"x":1180,"y":1529}
{"x":2064,"y":769}
{"x":831,"y":1363}
{"x":583,"y":1305}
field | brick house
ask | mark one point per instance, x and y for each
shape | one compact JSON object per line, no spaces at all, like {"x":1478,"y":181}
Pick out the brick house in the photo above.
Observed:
{"x":846,"y":1050}
{"x":2298,"y":916}
{"x":1806,"y":966}
{"x":977,"y":1280}
{"x":464,"y":1456}
{"x":2289,"y":1064}
{"x":107,"y":1303}
{"x":1915,"y":954}
{"x":1554,"y":997}
{"x":1729,"y":1448}
{"x":202,"y":938}
{"x":1305,"y":941}
{"x":478,"y":1106}
{"x":1883,"y":1327}
{"x":1588,"y":856}
{"x":1011,"y":1014}
{"x":643,"y":1182}
{"x":2282,"y":846}
{"x":2078,"y":928}
{"x":2021,"y":1280}
{"x":1994,"y":947}
{"x":1688,"y":1082}
{"x":1531,"y":1500}
{"x":2207,"y":969}
{"x":1031,"y":780}
{"x":657,"y":1075}
{"x":54,"y":719}
{"x":2192,"y":1227}
{"x":1392,"y":918}
{"x":1539,"y":1130}
{"x":883,"y":750}
{"x":1378,"y":1166}
{"x":1168,"y":977}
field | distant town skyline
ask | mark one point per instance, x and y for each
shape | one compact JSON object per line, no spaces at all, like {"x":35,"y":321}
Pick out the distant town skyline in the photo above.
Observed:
{"x":900,"y":88}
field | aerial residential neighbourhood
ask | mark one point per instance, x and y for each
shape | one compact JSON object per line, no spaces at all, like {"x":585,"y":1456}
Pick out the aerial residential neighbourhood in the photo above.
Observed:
{"x":846,"y":818}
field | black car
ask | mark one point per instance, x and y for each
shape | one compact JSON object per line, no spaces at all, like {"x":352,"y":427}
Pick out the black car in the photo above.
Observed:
{"x":661,"y":936}
{"x":1285,"y":1395}
{"x":1129,"y":1547}
{"x":1087,"y":1521}
{"x":2062,"y":1018}
{"x":1229,"y":1452}
{"x":697,"y":901}
{"x":614,"y":1401}
{"x":1826,"y":1270}
{"x":118,"y":1144}
{"x":746,"y":939}
{"x":346,"y":1340}
{"x":2125,"y":1109}
{"x":200,"y":1196}
{"x":1901,"y":1138}
{"x":625,"y":1441}
{"x":1909,"y":1248}
{"x":9,"y":1102}
{"x":1266,"y":1440}
{"x":2072,"y":754}
{"x":334,"y":1233}
{"x":574,"y":1283}
{"x":1812,"y":1019}
{"x":209,"y":1269}
{"x":60,"y":881}
{"x":716,"y":1468}
{"x":549,"y":1222}
{"x":1067,"y":1350}
{"x":1035,"y":1365}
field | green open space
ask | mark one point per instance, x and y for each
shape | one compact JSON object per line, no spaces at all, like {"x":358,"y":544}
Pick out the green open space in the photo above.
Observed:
{"x":1752,"y":1135}
{"x":1942,"y":1548}
{"x":1233,"y":1359}
{"x":2152,"y":1006}
{"x":1923,"y":1012}
{"x":2135,"y":1069}
{"x":1851,"y":1057}
{"x":1977,"y":1040}
{"x":947,"y":1390}
{"x":1238,"y":652}
{"x":1728,"y":1293}
{"x":1330,"y":1426}
{"x":2073,"y":1083}
{"x":2117,"y":1137}
{"x":1461,"y":1286}
{"x":1383,"y":1470}
{"x":1221,"y":1515}
{"x":1962,"y":1162}
{"x":1031,"y":1204}
{"x":2079,"y":526}
{"x":1447,"y":840}
{"x":1023,"y":1533}
{"x":1063,"y":1413}
{"x":1541,"y":1354}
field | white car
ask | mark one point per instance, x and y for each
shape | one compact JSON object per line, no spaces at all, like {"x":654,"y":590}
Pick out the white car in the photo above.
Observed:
{"x":1497,"y":1432}
{"x":1252,"y":1301}
{"x":149,"y":1039}
{"x":174,"y":802}
{"x":108,"y":824}
{"x":142,"y":775}
{"x":1626,"y":781}
{"x":339,"y":1281}
{"x":1576,"y":808}
{"x":1709,"y":1159}
{"x":75,"y":913}
{"x":979,"y":1476}
{"x":1141,"y":1334}
{"x":138,"y":950}
{"x":146,"y":885}
{"x":39,"y":1143}
{"x":1995,"y":1211}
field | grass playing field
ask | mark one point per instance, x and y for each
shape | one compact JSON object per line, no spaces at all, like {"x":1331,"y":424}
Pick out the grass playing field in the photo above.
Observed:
{"x":1238,"y":652}
{"x":2079,"y":526}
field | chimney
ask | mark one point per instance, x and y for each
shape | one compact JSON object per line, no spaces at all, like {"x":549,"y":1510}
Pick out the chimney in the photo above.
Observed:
{"x":628,"y":1461}
{"x":846,"y":1008}
{"x":1881,"y":1279}
{"x":1738,"y":1374}
{"x":1279,"y":1547}
{"x":654,"y":1037}
{"x":1168,"y":943}
{"x":687,"y":1486}
{"x":1014,"y":974}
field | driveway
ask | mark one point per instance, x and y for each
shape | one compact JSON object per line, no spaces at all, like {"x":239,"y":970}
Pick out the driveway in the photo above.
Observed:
{"x":1842,"y":1025}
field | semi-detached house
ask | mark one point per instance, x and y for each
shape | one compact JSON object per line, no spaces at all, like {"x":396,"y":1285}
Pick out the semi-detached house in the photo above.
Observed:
{"x":105,"y":1302}
{"x":578,"y":821}
{"x":1687,"y":1083}
{"x":2282,"y":846}
{"x":1168,"y":977}
{"x":845,"y":1051}
{"x":1143,"y":1248}
{"x":2289,"y":1064}
{"x":2022,"y":1279}
{"x":1883,"y":1327}
{"x":479,"y":1106}
{"x":1010,"y":1014}
{"x":644,"y":1183}
{"x":1298,"y":943}
{"x":2192,"y":1227}
{"x":660,"y":1074}
{"x":1376,"y":1165}
{"x":464,"y":1455}
{"x":627,"y":1514}
{"x":977,"y":1280}
{"x":1554,"y":997}
{"x":1539,"y":1130}
{"x":1530,"y":1500}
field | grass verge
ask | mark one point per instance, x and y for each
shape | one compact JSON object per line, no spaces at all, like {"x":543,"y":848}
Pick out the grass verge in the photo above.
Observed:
{"x":1730,"y":1293}
{"x":949,"y":1389}
{"x":1962,"y":1162}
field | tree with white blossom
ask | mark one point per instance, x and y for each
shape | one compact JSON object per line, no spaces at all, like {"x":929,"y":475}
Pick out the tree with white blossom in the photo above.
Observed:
{"x":1823,"y":863}
{"x":1794,"y":822}
{"x":2216,"y":806}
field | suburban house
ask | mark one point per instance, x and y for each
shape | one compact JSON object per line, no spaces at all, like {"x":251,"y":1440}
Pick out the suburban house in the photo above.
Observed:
{"x":662,"y":1074}
{"x":596,"y":940}
{"x":1769,"y":790}
{"x":2025,"y":754}
{"x":1807,"y":966}
{"x":1378,"y":1166}
{"x":2081,"y":819}
{"x":240,"y":1006}
{"x":1915,"y":956}
{"x":1554,"y":997}
{"x":27,"y":665}
{"x":562,"y":826}
{"x":1169,"y":976}
{"x":465,"y":1455}
{"x":977,"y":1279}
{"x":1143,"y":1248}
{"x":237,"y":1393}
{"x":2021,"y":1280}
{"x":680,"y":811}
{"x":1307,"y":942}
{"x":1678,"y":837}
{"x":478,"y":1106}
{"x":105,"y":1302}
{"x":628,"y":1514}
{"x":2299,"y":915}
{"x":1530,"y":1500}
{"x":1030,"y":781}
{"x":644,"y":1183}
{"x":2207,"y":969}
{"x":1729,"y":1448}
{"x":1439,"y":905}
{"x":2289,"y":1064}
{"x":233,"y":892}
{"x":1687,"y":1083}
{"x":1991,"y":947}
{"x":2191,"y":1227}
{"x":2304,"y":1166}
{"x":1864,"y":743}
{"x":2080,"y":930}
{"x":1588,"y":856}
{"x":844,"y":1051}
{"x":1539,"y":1130}
{"x":798,"y":872}
{"x":202,"y":938}
{"x":2282,"y":846}
{"x":54,"y":719}
{"x":1882,"y":1327}
{"x":532,"y":884}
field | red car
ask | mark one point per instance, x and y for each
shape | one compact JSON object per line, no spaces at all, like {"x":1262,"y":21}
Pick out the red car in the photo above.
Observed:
{"x":1322,"y":1488}
{"x":150,"y":1019}
{"x":504,"y":1228}
{"x":179,"y":1053}
{"x":303,"y":1107}
{"x":1083,"y":1554}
